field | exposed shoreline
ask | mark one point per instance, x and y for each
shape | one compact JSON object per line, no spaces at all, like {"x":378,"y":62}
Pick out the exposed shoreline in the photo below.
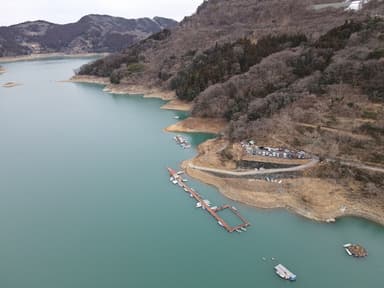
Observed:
{"x":313,"y":198}
{"x":2,"y":70}
{"x":48,"y":56}
{"x":264,"y":197}
{"x":177,"y":105}
{"x":148,"y":92}
{"x":89,"y":80}
{"x":198,"y":125}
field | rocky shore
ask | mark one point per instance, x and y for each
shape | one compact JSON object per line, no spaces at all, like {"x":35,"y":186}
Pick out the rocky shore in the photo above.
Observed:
{"x":148,"y":92}
{"x":198,"y":125}
{"x":178,"y":105}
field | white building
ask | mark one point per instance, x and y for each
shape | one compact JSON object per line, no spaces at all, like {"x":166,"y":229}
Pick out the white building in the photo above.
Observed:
{"x":355,"y":5}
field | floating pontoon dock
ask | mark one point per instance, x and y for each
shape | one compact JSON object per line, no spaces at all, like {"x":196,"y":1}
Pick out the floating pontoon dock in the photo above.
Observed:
{"x":177,"y":179}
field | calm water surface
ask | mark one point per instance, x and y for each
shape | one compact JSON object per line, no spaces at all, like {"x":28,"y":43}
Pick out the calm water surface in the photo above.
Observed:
{"x":85,"y":201}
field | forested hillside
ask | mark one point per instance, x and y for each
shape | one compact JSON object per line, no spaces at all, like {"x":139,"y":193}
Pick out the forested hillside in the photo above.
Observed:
{"x":255,"y":62}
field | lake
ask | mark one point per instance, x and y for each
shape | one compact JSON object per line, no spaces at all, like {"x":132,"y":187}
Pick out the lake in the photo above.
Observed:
{"x":85,"y":201}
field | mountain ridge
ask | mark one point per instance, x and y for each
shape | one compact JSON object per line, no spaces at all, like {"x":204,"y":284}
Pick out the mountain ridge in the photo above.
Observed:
{"x":225,"y":21}
{"x":92,"y":33}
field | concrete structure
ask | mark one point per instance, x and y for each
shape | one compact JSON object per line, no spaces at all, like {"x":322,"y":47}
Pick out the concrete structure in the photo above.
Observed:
{"x":355,"y":5}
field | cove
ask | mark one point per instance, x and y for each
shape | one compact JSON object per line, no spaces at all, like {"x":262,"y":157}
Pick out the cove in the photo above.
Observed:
{"x":85,"y":201}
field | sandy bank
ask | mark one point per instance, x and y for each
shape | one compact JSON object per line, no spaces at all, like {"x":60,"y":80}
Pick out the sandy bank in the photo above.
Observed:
{"x":314,"y":198}
{"x":48,"y":56}
{"x":2,"y":70}
{"x":88,"y":79}
{"x":178,"y":105}
{"x":201,"y":125}
{"x":148,"y":92}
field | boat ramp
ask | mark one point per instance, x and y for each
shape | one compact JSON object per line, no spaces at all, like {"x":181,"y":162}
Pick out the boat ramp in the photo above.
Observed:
{"x":205,"y":205}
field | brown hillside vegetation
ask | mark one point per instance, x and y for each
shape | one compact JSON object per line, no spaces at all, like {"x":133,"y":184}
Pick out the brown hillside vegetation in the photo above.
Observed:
{"x":216,"y":22}
{"x":282,"y":74}
{"x":256,"y":62}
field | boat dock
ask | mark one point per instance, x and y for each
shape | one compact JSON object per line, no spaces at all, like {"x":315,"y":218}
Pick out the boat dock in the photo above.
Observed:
{"x":205,"y":205}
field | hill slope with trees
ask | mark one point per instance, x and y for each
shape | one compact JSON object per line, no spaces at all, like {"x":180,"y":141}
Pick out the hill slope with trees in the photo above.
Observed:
{"x":279,"y":72}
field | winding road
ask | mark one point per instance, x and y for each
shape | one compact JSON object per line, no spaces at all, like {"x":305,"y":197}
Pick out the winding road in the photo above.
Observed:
{"x":310,"y":164}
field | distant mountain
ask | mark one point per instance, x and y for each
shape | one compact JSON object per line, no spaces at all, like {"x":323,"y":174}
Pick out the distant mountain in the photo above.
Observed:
{"x":92,"y":33}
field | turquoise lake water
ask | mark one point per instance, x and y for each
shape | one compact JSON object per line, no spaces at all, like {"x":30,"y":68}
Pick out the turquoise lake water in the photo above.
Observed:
{"x":85,"y":201}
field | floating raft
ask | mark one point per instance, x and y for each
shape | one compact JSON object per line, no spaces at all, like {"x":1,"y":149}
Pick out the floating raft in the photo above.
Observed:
{"x":355,"y":250}
{"x":284,"y":273}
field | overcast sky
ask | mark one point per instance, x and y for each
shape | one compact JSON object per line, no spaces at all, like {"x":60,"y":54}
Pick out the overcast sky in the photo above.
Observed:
{"x":67,"y":11}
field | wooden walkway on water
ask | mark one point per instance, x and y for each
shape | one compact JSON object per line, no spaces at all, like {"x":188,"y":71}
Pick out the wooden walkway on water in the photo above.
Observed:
{"x":205,"y":206}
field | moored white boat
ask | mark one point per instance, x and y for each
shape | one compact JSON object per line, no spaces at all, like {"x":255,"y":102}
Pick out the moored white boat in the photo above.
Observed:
{"x":284,"y":273}
{"x":348,"y":252}
{"x":207,"y":203}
